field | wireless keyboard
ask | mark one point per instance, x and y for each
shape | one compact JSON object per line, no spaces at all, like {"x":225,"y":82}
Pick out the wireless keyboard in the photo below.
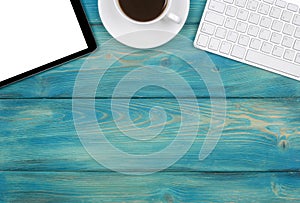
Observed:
{"x":262,"y":33}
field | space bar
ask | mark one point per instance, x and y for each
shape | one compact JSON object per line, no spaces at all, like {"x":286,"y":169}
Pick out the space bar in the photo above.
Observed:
{"x":273,"y":63}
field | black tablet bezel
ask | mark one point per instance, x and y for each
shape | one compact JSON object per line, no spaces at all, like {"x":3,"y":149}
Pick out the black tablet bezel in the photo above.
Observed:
{"x":89,"y":38}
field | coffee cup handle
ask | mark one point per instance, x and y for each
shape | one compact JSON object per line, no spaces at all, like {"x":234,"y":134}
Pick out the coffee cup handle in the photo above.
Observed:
{"x":174,"y":18}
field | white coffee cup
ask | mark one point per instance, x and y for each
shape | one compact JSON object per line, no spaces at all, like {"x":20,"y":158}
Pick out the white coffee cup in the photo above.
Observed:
{"x":166,"y":14}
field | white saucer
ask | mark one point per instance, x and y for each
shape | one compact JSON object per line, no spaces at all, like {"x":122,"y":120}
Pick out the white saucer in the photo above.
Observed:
{"x":142,"y":36}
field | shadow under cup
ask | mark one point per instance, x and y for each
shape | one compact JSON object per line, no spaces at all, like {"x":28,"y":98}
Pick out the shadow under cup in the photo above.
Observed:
{"x":143,"y":10}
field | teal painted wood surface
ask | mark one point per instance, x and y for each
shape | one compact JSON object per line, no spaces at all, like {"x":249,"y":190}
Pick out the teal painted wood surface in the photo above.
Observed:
{"x":256,"y":160}
{"x":160,"y":187}
{"x":259,"y":135}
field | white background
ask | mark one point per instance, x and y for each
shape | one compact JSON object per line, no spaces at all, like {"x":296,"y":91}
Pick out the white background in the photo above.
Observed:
{"x":36,"y":32}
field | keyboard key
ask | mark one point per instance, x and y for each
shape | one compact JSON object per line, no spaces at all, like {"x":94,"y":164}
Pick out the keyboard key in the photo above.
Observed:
{"x":297,"y":45}
{"x":265,"y":22}
{"x":277,"y":25}
{"x":202,"y":40}
{"x":254,"y":18}
{"x":292,"y":7}
{"x":269,"y":1}
{"x":253,"y":30}
{"x":244,"y":40}
{"x":230,"y":23}
{"x":228,"y":1}
{"x":276,"y":38}
{"x":289,"y":54}
{"x":287,"y":42}
{"x":297,"y":33}
{"x":277,"y":51}
{"x":208,"y":28}
{"x":266,"y":47}
{"x":231,"y":11}
{"x":214,"y":44}
{"x":242,"y":14}
{"x":264,"y":34}
{"x":217,"y":6}
{"x":297,"y":59}
{"x":296,"y":19}
{"x":286,"y":16}
{"x":221,"y":33}
{"x":225,"y":47}
{"x":214,"y":18}
{"x":280,"y":3}
{"x":252,"y":5}
{"x":232,"y":36}
{"x":275,"y":12}
{"x":272,"y":63}
{"x":238,"y":51}
{"x":241,"y":27}
{"x":263,"y":8}
{"x":288,"y":29}
{"x":240,"y":3}
{"x":255,"y":43}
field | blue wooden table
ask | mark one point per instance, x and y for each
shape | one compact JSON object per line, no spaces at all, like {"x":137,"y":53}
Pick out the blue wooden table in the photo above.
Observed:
{"x":256,"y":159}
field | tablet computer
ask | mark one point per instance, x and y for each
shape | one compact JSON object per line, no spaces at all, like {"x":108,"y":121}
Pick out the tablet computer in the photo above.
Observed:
{"x":37,"y":35}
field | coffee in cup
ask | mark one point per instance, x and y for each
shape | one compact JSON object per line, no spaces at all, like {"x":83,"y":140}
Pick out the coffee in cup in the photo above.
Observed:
{"x":143,"y":10}
{"x":146,"y":11}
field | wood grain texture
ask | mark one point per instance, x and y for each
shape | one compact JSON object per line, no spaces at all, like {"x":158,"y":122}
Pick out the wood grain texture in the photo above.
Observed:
{"x":259,"y":135}
{"x":160,"y":187}
{"x":239,"y":80}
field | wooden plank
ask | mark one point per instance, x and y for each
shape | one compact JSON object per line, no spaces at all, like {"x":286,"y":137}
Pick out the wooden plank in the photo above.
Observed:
{"x":239,"y":80}
{"x":160,"y":187}
{"x":259,"y":135}
{"x":91,"y":9}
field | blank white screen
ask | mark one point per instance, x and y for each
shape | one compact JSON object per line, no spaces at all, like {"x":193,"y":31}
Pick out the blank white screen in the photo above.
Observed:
{"x":36,"y":32}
